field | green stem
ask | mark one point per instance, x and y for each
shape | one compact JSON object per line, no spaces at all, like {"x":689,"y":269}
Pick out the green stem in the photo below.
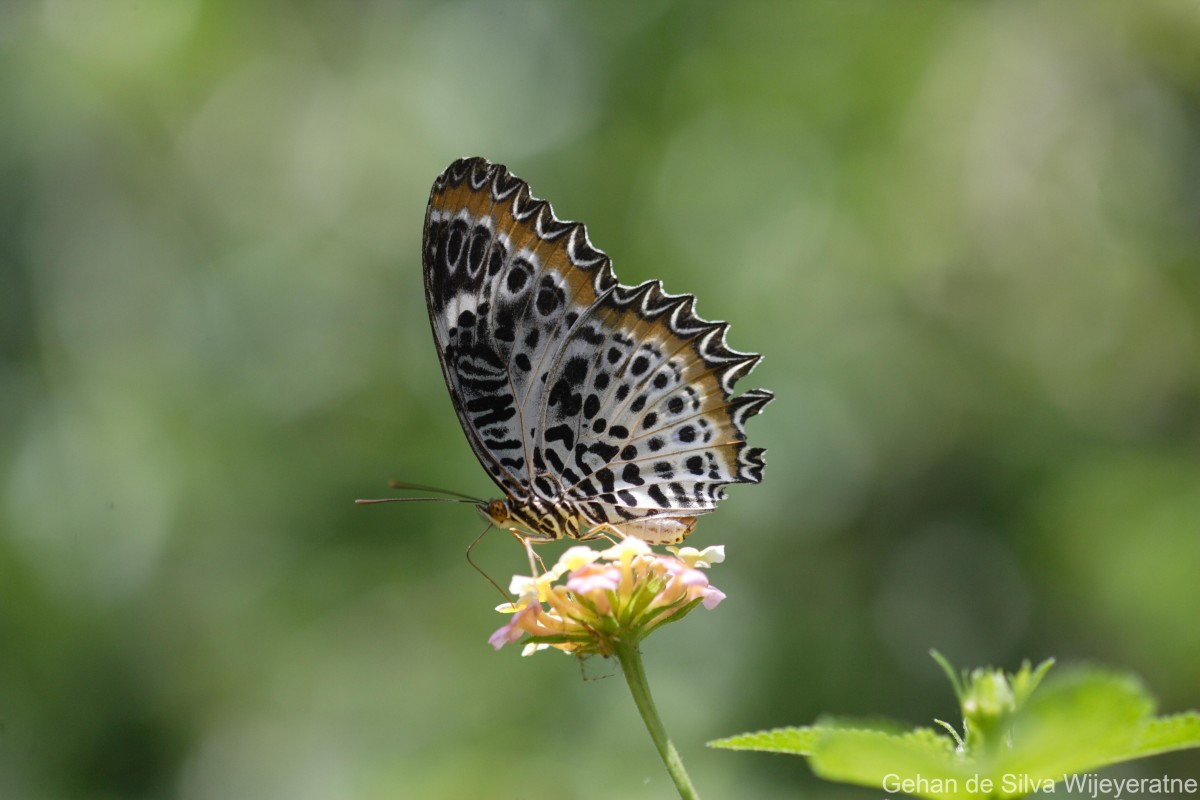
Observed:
{"x":635,"y":676}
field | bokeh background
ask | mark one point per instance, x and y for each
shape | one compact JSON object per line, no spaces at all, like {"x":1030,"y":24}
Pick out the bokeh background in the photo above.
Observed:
{"x":965,"y":235}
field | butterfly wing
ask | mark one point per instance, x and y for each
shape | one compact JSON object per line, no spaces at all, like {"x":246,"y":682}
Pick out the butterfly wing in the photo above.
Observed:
{"x":491,"y":252}
{"x":660,"y":433}
{"x":572,"y":385}
{"x":463,"y":253}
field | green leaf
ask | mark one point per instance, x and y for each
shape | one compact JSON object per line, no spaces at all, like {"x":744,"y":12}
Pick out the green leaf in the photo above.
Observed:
{"x":873,"y":759}
{"x":796,"y":741}
{"x":1077,"y":721}
{"x":1163,"y":734}
{"x":1036,"y":733}
{"x":863,"y":756}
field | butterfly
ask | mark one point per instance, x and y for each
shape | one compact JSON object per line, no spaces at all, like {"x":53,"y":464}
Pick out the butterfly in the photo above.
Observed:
{"x":595,"y":406}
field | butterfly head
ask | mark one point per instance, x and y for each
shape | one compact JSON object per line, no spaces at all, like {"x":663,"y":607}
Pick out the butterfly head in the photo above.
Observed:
{"x":533,"y":518}
{"x":495,"y":512}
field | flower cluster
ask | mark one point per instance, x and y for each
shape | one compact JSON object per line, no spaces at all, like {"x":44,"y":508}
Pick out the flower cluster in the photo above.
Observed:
{"x":608,"y":596}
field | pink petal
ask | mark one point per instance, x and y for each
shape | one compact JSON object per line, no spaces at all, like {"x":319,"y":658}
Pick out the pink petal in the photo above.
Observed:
{"x":519,"y":625}
{"x":592,"y":582}
{"x":504,"y":635}
{"x":712,"y":596}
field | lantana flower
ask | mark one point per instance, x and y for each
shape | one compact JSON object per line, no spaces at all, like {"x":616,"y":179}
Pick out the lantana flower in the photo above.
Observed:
{"x":592,"y":600}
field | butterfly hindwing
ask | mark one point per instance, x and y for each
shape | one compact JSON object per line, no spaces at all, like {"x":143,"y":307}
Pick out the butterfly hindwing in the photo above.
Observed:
{"x":610,"y":403}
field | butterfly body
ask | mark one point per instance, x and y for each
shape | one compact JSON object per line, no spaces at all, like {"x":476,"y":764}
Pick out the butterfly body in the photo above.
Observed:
{"x":539,"y":520}
{"x":592,"y":404}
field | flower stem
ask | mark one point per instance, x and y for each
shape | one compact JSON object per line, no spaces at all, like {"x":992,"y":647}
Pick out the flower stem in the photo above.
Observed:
{"x":635,"y":676}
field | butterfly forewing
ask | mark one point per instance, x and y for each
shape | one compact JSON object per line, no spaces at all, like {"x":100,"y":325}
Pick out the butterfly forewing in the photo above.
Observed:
{"x":612,"y":405}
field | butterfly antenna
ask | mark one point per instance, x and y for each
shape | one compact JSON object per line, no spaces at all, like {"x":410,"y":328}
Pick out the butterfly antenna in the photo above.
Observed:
{"x":457,"y":497}
{"x":420,"y":487}
{"x":479,"y":569}
{"x":371,"y":500}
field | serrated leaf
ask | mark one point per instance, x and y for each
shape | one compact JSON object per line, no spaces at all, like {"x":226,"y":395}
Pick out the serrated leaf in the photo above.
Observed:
{"x":1163,"y":734}
{"x":796,"y":741}
{"x":870,"y":758}
{"x":1077,"y":721}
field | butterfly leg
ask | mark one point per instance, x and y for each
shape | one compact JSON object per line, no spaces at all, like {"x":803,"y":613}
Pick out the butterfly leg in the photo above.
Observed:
{"x":602,"y":531}
{"x":527,"y":543}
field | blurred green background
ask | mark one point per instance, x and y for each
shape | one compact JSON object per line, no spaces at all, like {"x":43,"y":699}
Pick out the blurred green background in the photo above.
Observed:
{"x":965,"y":236}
